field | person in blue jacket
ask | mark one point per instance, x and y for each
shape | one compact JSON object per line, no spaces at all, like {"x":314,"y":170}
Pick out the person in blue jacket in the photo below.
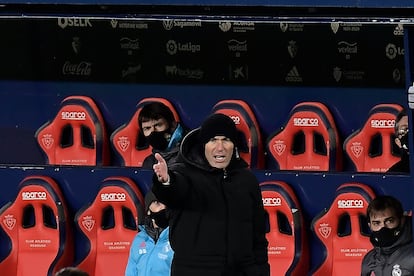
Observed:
{"x":151,"y":253}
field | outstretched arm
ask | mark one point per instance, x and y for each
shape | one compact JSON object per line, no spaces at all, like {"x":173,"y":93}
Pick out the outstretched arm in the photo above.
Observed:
{"x":169,"y":184}
{"x":161,"y":169}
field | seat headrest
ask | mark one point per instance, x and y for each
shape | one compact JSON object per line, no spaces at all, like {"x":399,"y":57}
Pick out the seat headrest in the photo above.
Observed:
{"x":110,"y":223}
{"x":308,"y":141}
{"x":343,"y":230}
{"x":250,"y":146}
{"x":76,"y":136}
{"x":128,"y":141}
{"x":40,"y":237}
{"x":288,"y":247}
{"x":372,"y":148}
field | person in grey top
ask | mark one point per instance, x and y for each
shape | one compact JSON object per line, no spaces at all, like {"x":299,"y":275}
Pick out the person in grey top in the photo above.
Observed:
{"x":391,"y":236}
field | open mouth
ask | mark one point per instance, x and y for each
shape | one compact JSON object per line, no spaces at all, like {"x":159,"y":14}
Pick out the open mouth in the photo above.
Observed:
{"x":220,"y":158}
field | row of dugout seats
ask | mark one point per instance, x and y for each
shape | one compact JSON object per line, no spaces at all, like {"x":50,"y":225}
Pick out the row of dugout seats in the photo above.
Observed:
{"x":37,"y":235}
{"x":308,"y":141}
{"x":37,"y":230}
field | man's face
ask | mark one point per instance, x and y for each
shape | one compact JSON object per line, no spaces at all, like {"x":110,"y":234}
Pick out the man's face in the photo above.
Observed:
{"x":384,"y":218}
{"x":402,"y":128}
{"x":155,"y":207}
{"x":218,"y":151}
{"x":150,"y":126}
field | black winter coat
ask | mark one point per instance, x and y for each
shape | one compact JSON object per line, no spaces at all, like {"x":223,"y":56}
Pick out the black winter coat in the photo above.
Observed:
{"x":397,"y":259}
{"x":217,"y":227}
{"x":402,"y":166}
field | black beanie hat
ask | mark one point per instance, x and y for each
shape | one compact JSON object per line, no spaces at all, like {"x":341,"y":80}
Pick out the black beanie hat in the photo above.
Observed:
{"x":149,"y":198}
{"x":218,"y":124}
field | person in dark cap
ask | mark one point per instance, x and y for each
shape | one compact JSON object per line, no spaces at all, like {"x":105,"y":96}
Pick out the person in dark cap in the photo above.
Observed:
{"x":150,"y":253}
{"x":160,"y":130}
{"x":217,"y":223}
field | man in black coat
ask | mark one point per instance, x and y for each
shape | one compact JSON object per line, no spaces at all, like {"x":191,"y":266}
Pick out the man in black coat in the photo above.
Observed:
{"x":217,"y":226}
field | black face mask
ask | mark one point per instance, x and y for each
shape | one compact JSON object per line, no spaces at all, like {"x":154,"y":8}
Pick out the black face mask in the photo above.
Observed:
{"x":404,"y":142}
{"x":157,"y":140}
{"x":385,"y":236}
{"x":160,"y":218}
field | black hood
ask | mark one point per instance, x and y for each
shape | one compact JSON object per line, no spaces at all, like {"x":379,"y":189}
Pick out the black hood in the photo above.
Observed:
{"x":192,"y":152}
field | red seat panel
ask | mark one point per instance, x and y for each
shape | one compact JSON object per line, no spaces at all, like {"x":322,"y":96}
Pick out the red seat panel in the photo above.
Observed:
{"x":110,"y":223}
{"x":371,"y":148}
{"x":38,"y":228}
{"x":288,"y":245}
{"x":309,"y":141}
{"x":76,"y":136}
{"x":344,"y":247}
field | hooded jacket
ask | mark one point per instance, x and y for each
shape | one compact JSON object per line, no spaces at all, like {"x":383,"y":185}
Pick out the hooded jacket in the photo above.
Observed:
{"x":397,"y":259}
{"x":148,"y":257}
{"x":170,"y":152}
{"x":217,"y":225}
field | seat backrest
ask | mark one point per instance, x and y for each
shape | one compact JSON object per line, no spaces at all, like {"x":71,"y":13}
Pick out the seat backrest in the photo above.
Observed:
{"x":309,"y":141}
{"x":343,"y":231}
{"x":109,"y":224}
{"x":288,"y":250}
{"x":76,"y":136}
{"x":129,"y":142}
{"x":250,"y":146}
{"x":372,"y":148}
{"x":38,"y":229}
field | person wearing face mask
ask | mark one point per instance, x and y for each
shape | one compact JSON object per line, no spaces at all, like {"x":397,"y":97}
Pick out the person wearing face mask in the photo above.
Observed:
{"x":391,"y":236}
{"x":150,"y":252}
{"x":401,"y":134}
{"x":217,"y":224}
{"x":161,"y":131}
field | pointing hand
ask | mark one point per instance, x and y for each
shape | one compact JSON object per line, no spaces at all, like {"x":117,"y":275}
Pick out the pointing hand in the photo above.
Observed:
{"x":161,"y":169}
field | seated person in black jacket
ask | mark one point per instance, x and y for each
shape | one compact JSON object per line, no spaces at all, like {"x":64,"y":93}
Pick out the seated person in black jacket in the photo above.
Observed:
{"x":391,"y":236}
{"x":401,"y":134}
{"x":160,"y":130}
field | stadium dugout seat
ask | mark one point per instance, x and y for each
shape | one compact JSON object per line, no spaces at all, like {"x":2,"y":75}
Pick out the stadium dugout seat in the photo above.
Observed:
{"x":109,"y":225}
{"x":250,"y":146}
{"x":37,"y":229}
{"x":288,"y":250}
{"x":129,"y":142}
{"x":76,"y":136}
{"x":343,"y":230}
{"x":309,"y":141}
{"x":372,"y":148}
